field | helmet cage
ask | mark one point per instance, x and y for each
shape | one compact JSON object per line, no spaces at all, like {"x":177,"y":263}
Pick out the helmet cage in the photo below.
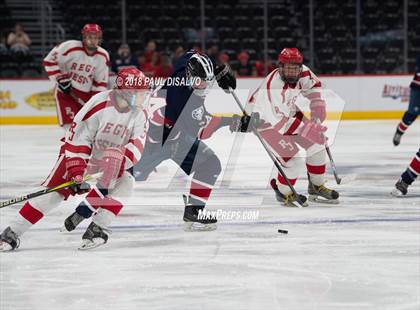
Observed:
{"x":290,"y":72}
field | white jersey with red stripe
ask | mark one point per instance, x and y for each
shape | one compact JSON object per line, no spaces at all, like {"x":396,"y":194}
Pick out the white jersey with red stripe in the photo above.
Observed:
{"x":101,"y":124}
{"x":89,"y":73}
{"x":275,"y":100}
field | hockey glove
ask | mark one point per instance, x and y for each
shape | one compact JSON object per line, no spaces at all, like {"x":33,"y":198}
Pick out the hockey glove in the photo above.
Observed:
{"x":225,"y":78}
{"x":245,"y":123}
{"x":318,"y":111}
{"x":75,"y":170}
{"x":112,"y":166}
{"x":64,"y":83}
{"x":313,"y":132}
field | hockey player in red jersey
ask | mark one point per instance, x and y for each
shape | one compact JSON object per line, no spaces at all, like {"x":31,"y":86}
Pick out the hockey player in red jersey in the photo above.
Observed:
{"x":80,"y":70}
{"x":179,"y":122}
{"x":285,"y":127}
{"x":107,"y":135}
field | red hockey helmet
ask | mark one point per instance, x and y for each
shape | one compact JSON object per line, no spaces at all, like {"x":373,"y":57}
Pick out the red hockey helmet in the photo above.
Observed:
{"x":290,"y":65}
{"x":133,"y":86}
{"x":290,"y":56}
{"x":92,"y":37}
{"x":131,"y":78}
{"x":92,"y":28}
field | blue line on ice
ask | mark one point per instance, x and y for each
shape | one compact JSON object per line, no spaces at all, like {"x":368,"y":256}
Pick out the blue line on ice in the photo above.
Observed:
{"x":301,"y":222}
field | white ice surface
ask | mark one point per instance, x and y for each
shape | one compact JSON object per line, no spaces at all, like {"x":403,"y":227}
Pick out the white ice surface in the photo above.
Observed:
{"x":361,"y":254}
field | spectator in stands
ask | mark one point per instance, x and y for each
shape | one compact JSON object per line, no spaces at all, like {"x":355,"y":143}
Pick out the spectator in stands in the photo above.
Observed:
{"x":164,"y":70}
{"x":261,"y":66}
{"x":154,"y":64}
{"x":191,"y":34}
{"x":19,"y":41}
{"x":124,"y":59}
{"x":196,"y":47}
{"x":223,"y":59}
{"x":141,"y":60}
{"x":144,"y":66}
{"x":3,"y":45}
{"x":213,"y":52}
{"x":150,"y":50}
{"x":244,"y":68}
{"x":179,"y":51}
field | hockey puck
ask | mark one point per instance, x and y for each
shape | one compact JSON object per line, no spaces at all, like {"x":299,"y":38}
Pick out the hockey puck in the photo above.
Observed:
{"x":282,"y":231}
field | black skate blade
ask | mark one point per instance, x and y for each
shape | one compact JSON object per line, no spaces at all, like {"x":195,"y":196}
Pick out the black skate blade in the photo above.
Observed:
{"x":398,"y":194}
{"x":196,"y":226}
{"x":322,"y":200}
{"x":91,"y":244}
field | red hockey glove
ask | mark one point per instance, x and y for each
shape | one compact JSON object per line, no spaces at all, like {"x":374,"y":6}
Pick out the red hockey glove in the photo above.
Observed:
{"x":112,"y":166}
{"x":313,"y":132}
{"x":318,"y":110}
{"x":75,"y":170}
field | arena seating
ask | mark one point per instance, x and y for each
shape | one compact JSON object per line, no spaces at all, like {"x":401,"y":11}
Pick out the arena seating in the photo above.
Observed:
{"x":238,"y":25}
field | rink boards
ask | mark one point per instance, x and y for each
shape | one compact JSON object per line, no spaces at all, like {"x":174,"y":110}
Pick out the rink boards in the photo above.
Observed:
{"x":32,"y":101}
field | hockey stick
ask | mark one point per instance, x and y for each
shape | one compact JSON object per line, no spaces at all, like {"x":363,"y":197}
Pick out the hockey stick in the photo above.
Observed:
{"x":332,"y":163}
{"x":338,"y":180}
{"x":79,"y":101}
{"x":272,"y":157}
{"x":334,"y":168}
{"x":345,"y":179}
{"x":44,"y":191}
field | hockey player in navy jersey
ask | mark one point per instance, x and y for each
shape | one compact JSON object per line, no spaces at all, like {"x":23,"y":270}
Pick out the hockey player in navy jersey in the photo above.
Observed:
{"x":407,"y":177}
{"x":178,"y":128}
{"x":413,"y":107}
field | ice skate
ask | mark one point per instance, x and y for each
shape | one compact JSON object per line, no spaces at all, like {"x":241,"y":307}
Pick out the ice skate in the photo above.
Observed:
{"x":322,"y":194}
{"x":288,"y":200}
{"x":93,"y":237}
{"x":397,"y":137}
{"x":72,"y":222}
{"x":9,"y":240}
{"x":197,"y":219}
{"x":400,"y":189}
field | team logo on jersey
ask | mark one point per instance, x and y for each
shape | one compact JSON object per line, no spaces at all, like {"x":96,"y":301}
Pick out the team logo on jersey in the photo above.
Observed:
{"x":198,"y":113}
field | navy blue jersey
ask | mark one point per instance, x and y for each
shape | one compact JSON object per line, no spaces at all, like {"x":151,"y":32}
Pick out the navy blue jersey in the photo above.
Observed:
{"x":184,"y":112}
{"x":415,"y":83}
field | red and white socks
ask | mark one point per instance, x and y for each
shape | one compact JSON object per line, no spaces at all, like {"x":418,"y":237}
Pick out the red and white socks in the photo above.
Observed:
{"x":34,"y":210}
{"x":199,"y":192}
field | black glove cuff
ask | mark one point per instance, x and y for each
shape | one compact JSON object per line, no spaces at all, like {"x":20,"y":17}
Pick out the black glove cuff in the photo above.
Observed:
{"x":223,"y":72}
